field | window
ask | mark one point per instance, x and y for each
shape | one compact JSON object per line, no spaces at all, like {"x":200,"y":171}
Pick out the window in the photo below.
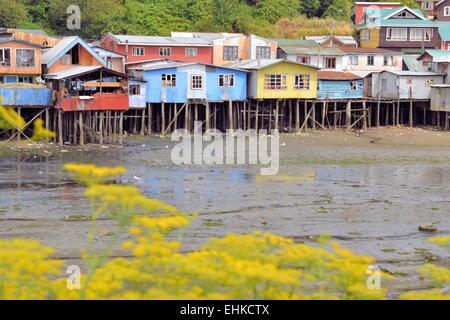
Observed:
{"x":353,"y":85}
{"x":230,"y":53}
{"x":66,"y":59}
{"x":388,"y":61}
{"x":137,"y":51}
{"x":365,"y":35}
{"x":263,"y":52}
{"x":169,"y":80}
{"x":196,"y":82}
{"x":420,"y":34}
{"x":25,"y":79}
{"x":353,"y":60}
{"x":75,"y":55}
{"x":427,"y":5}
{"x":429,"y":82}
{"x":190,"y":52}
{"x":329,"y":63}
{"x":275,"y":81}
{"x":135,"y":90}
{"x":165,"y":52}
{"x":25,"y":58}
{"x":301,"y":81}
{"x":304,"y":59}
{"x":226,"y":80}
{"x":446,"y":11}
{"x":370,"y":60}
{"x":396,"y":34}
{"x":5,"y":57}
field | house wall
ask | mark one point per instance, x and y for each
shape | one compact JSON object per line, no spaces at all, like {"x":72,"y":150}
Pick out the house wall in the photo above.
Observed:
{"x":440,"y":11}
{"x":240,"y":42}
{"x":374,"y":39}
{"x":255,"y":41}
{"x":216,"y":93}
{"x":191,"y":70}
{"x":156,"y":93}
{"x":399,"y":86}
{"x":434,"y":43}
{"x":339,"y":89}
{"x":204,"y":53}
{"x":26,"y":96}
{"x":85,"y":59}
{"x":378,"y":63}
{"x":137,"y":101}
{"x":440,"y":99}
{"x":35,"y":38}
{"x":290,"y":70}
{"x":315,"y":61}
{"x":13,"y":69}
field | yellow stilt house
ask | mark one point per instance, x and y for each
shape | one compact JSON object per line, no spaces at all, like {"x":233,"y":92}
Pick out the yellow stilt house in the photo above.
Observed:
{"x":279,"y":79}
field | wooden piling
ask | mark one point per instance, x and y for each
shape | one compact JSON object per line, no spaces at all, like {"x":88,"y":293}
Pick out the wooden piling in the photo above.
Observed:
{"x":297,"y":116}
{"x":80,"y":115}
{"x":207,"y":115}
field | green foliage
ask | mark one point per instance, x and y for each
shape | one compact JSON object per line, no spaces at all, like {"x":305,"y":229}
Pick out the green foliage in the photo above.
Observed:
{"x":160,"y":17}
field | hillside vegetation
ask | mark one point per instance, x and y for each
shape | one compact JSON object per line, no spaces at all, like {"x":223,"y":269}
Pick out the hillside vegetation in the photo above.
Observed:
{"x":270,"y":18}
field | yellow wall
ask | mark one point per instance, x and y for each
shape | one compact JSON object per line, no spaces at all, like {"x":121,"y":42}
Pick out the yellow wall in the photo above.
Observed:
{"x":291,"y":69}
{"x":373,"y":41}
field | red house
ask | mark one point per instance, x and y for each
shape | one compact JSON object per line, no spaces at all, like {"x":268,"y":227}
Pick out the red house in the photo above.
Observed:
{"x":143,"y":48}
{"x":360,"y":7}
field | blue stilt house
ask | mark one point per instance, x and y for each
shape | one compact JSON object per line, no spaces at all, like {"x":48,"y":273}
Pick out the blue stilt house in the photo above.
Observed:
{"x":339,"y":85}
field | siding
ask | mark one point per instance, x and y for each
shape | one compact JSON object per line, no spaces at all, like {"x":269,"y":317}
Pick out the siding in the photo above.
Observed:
{"x":155,"y":92}
{"x":373,"y":41}
{"x":26,"y":96}
{"x":216,"y":93}
{"x":13,"y":69}
{"x":434,"y":43}
{"x":339,"y":89}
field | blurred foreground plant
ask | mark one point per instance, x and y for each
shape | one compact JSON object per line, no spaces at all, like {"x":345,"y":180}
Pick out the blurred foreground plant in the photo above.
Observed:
{"x":251,"y":266}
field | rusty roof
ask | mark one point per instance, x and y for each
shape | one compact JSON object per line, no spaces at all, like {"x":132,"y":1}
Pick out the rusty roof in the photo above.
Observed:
{"x":336,"y":75}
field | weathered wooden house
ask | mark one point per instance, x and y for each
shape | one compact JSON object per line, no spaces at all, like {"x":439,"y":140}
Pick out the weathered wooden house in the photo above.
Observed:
{"x":403,"y":29}
{"x":323,"y":58}
{"x":442,"y":10}
{"x":114,"y":61}
{"x":143,"y":48}
{"x":231,"y":47}
{"x":371,"y":59}
{"x":429,"y":7}
{"x":34,"y":36}
{"x":359,"y":8}
{"x":339,"y":85}
{"x":436,"y":61}
{"x":178,"y":82}
{"x":280,"y":79}
{"x":404,"y":85}
{"x":20,"y":71}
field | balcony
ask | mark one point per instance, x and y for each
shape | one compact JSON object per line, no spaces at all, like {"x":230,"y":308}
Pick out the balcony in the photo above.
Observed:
{"x":96,"y":102}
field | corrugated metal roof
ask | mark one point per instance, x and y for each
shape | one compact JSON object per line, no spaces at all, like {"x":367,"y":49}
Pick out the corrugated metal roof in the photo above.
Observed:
{"x":3,"y":40}
{"x":71,"y":72}
{"x":156,"y":40}
{"x":261,"y":64}
{"x":312,"y":51}
{"x":337,"y":75}
{"x":411,"y":63}
{"x":444,"y":30}
{"x":381,"y":17}
{"x":414,"y":73}
{"x":350,"y":50}
{"x":343,"y":39}
{"x":210,"y":36}
{"x":175,"y":64}
{"x":294,"y":42}
{"x":107,"y":53}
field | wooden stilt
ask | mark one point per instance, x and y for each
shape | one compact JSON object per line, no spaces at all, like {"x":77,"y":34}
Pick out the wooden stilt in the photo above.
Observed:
{"x":364,"y":115}
{"x":121,"y":126}
{"x":207,"y":116}
{"x":378,"y":109}
{"x":186,"y":117}
{"x":230,"y":115}
{"x":100,"y":128}
{"x":306,"y":115}
{"x":257,"y":116}
{"x":149,"y":119}
{"x":75,"y":127}
{"x":277,"y":106}
{"x":142,"y":121}
{"x":348,"y":115}
{"x":410,"y":108}
{"x":335,"y":115}
{"x":297,"y":115}
{"x":314,"y":116}
{"x":60,"y":129}
{"x":80,"y":115}
{"x":163,"y":118}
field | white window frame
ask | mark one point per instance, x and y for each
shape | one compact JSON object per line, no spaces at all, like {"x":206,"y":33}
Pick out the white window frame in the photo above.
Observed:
{"x":325,"y":59}
{"x":2,"y":57}
{"x":446,"y":11}
{"x":266,"y":49}
{"x":365,"y":35}
{"x":138,"y":90}
{"x":165,"y":51}
{"x":420,"y":37}
{"x":353,"y":85}
{"x":232,"y":48}
{"x":393,"y":37}
{"x":197,"y":79}
{"x":427,"y":5}
{"x":388,"y":61}
{"x":226,"y":80}
{"x":353,"y":60}
{"x":305,"y":84}
{"x":191,"y":52}
{"x":138,"y":51}
{"x":169,"y":80}
{"x":307,"y":58}
{"x":271,"y":81}
{"x":34,"y":58}
{"x":373,"y":60}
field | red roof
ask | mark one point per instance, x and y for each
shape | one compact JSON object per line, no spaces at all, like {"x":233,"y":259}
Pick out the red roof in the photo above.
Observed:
{"x":336,"y":75}
{"x":368,"y":50}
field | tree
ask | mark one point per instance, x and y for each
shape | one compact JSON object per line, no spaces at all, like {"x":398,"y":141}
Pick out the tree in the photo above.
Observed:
{"x":310,"y":7}
{"x":339,"y":10}
{"x":12,"y":13}
{"x":274,"y":10}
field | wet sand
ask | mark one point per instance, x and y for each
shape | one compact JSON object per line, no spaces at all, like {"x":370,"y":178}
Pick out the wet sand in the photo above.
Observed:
{"x":369,"y":191}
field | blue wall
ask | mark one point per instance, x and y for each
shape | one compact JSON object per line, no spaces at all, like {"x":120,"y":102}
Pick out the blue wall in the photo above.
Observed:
{"x":26,"y":97}
{"x":216,"y":93}
{"x":177,"y":94}
{"x":339,"y":89}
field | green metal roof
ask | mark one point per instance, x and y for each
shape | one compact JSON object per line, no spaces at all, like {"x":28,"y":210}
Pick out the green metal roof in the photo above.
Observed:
{"x":312,"y":51}
{"x":295,"y":42}
{"x":381,"y":18}
{"x":444,"y":30}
